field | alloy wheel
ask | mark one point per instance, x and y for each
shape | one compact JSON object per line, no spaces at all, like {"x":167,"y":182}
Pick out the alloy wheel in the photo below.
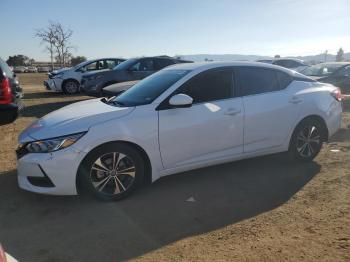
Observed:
{"x":71,"y":87}
{"x":113,"y":173}
{"x":308,"y":141}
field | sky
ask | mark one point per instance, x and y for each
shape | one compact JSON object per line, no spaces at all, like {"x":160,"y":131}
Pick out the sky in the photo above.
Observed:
{"x":122,"y":28}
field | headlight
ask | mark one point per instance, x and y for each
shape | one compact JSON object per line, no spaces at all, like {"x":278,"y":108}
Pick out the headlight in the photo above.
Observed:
{"x":54,"y":144}
{"x":58,"y":75}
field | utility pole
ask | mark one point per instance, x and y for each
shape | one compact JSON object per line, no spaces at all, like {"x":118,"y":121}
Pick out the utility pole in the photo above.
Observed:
{"x":325,"y":55}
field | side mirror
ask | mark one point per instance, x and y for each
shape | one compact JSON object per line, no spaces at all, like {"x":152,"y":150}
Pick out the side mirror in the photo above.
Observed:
{"x":181,"y":100}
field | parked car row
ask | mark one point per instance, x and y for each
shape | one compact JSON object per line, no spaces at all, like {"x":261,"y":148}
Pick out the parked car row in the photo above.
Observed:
{"x":93,"y":76}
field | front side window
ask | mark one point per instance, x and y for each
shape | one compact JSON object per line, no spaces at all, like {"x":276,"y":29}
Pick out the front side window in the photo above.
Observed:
{"x":147,"y":90}
{"x":209,"y":86}
{"x":253,"y":80}
{"x":90,"y":67}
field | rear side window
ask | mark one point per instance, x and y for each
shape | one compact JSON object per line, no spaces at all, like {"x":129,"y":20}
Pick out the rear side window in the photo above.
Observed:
{"x":253,"y":80}
{"x":209,"y":86}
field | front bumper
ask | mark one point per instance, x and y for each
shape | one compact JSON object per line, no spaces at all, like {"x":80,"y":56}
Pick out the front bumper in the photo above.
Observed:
{"x":53,"y":84}
{"x":50,"y":173}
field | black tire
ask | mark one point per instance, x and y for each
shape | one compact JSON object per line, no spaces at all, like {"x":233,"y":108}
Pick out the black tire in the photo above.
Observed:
{"x":307,"y":149}
{"x":70,"y":87}
{"x":90,"y":177}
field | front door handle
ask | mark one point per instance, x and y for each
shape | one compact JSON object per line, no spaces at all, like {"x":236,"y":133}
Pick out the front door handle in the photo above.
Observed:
{"x":233,"y":111}
{"x":295,"y":100}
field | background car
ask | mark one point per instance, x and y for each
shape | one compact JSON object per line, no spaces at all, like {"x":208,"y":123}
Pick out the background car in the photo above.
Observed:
{"x":118,"y":88}
{"x":133,"y":69}
{"x":336,"y":73}
{"x":20,"y":69}
{"x":68,"y":79}
{"x":43,"y":69}
{"x":10,"y":95}
{"x":32,"y":69}
{"x":183,"y":117}
{"x":291,"y":63}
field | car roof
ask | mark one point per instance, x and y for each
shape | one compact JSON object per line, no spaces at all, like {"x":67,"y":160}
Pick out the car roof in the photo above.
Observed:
{"x":291,"y":59}
{"x":334,"y":63}
{"x":210,"y":65}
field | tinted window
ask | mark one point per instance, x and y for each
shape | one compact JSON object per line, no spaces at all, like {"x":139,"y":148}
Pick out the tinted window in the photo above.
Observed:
{"x":344,"y":71}
{"x":209,"y":86}
{"x":145,"y":91}
{"x":280,"y":63}
{"x":143,"y":65}
{"x":110,"y":64}
{"x":253,"y":80}
{"x":4,"y":68}
{"x":161,"y":63}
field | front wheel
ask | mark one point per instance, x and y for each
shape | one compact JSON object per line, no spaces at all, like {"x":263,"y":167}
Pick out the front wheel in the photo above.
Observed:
{"x":70,"y":87}
{"x":112,"y":171}
{"x":307,"y":140}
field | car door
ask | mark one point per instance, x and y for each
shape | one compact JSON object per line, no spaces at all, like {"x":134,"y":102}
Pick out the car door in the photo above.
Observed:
{"x":341,"y":79}
{"x":141,"y":69}
{"x":271,"y":109}
{"x":211,"y":128}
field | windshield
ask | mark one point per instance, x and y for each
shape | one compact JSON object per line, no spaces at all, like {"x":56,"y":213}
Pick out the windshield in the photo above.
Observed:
{"x":125,"y":65}
{"x":321,"y":70}
{"x":146,"y":91}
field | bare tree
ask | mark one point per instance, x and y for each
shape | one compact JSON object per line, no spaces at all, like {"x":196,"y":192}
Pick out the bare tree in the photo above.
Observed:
{"x":63,"y":46}
{"x":47,"y":36}
{"x":57,"y":38}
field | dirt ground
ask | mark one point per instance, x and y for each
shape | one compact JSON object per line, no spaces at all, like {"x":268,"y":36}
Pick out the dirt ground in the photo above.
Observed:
{"x":262,"y":209}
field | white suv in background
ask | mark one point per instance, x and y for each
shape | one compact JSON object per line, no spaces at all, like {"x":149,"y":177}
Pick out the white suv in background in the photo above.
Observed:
{"x":68,"y":79}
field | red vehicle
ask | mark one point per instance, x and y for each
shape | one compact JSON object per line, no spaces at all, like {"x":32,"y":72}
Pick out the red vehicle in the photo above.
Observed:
{"x":2,"y":255}
{"x":10,"y":95}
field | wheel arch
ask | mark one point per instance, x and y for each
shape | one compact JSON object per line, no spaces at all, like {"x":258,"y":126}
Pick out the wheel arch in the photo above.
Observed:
{"x":144,"y":155}
{"x":318,"y":118}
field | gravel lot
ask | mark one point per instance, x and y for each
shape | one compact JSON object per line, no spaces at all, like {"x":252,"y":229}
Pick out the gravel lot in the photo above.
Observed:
{"x":260,"y":209}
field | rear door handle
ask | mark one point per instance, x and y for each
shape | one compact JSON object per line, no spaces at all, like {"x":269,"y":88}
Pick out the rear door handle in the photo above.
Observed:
{"x":233,"y":111}
{"x":295,"y":100}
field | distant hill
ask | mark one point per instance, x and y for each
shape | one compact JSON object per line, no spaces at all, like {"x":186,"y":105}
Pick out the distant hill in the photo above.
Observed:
{"x":231,"y":57}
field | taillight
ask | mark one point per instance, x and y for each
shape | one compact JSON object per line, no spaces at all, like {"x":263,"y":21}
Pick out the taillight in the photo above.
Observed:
{"x":2,"y":255}
{"x":5,"y":91}
{"x":337,"y":94}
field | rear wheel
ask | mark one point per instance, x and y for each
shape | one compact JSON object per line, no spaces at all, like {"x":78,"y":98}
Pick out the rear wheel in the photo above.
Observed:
{"x":70,"y":87}
{"x":307,"y":140}
{"x":112,"y":171}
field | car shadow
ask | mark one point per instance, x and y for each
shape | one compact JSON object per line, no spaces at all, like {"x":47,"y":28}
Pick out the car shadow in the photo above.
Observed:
{"x":37,"y":95}
{"x":79,"y":228}
{"x":41,"y":110}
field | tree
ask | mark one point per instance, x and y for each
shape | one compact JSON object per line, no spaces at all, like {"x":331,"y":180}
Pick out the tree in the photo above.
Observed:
{"x":18,"y":60}
{"x":277,"y":56}
{"x":340,"y":55}
{"x":47,"y":36}
{"x":57,"y":38}
{"x":77,"y":60}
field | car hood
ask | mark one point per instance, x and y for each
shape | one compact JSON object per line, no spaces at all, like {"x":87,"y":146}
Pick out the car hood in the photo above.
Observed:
{"x":116,"y":89}
{"x":62,"y":70}
{"x":74,"y":118}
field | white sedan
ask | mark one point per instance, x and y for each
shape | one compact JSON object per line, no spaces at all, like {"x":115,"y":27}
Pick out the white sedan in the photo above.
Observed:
{"x":184,"y":117}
